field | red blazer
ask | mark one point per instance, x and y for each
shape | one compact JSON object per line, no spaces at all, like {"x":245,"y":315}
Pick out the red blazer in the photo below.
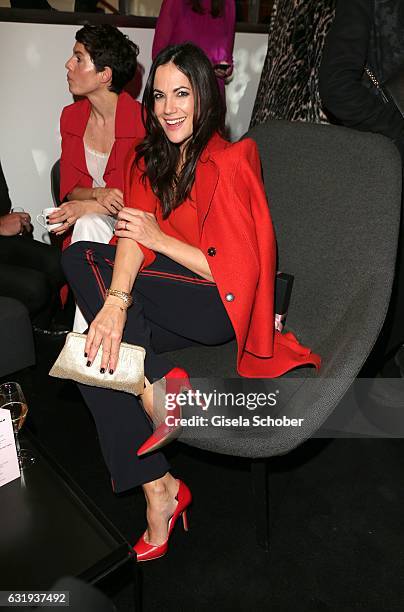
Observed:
{"x":73,"y":123}
{"x":238,"y":239}
{"x":73,"y":168}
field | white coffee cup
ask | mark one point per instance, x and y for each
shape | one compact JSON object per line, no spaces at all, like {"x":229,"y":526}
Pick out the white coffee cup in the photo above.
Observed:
{"x":42,"y":220}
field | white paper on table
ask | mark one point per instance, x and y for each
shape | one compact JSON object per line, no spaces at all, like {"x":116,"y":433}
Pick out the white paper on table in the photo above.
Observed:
{"x":9,"y":468}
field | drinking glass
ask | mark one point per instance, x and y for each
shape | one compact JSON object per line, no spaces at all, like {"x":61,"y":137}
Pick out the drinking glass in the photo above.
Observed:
{"x":12,"y":399}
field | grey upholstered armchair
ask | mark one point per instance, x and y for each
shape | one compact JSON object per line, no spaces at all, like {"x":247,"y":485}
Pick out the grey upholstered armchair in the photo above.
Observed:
{"x":334,"y":196}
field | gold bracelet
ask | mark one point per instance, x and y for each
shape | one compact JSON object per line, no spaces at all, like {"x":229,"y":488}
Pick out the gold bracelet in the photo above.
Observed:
{"x":126,"y":298}
{"x":116,"y":306}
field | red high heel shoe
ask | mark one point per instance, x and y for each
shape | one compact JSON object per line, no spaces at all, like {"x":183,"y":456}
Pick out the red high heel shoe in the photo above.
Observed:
{"x":146,"y":551}
{"x":177,"y":380}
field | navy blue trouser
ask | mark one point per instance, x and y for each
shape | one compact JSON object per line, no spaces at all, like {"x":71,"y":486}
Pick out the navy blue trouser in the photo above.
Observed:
{"x":173,"y":308}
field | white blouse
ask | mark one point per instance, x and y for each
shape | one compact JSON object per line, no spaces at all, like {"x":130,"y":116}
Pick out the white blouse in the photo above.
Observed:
{"x":96,"y":164}
{"x":93,"y":227}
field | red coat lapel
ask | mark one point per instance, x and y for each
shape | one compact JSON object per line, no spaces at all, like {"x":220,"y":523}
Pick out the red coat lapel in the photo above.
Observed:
{"x":127,"y":125}
{"x":207,"y":176}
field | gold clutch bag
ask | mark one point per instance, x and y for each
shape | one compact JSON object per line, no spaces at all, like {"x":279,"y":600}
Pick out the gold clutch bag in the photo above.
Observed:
{"x":128,"y":376}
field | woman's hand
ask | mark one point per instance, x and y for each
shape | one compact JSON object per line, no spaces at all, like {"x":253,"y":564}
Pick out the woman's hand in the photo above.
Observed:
{"x":106,"y":330}
{"x":67,"y":213}
{"x":143,"y":228}
{"x":110,"y":199}
{"x":140,"y":226}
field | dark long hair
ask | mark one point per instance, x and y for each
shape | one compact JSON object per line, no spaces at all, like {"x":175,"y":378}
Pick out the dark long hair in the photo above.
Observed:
{"x":162,"y":157}
{"x":216,"y":8}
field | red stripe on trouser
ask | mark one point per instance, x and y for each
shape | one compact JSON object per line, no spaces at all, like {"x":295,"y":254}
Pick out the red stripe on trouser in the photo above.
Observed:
{"x":96,"y":272}
{"x":170,"y":275}
{"x":180,"y":277}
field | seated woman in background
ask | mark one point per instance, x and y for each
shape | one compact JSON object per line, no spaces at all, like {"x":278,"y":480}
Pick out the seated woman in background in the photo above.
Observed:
{"x":210,"y":24}
{"x":197,"y":252}
{"x":97,"y":133}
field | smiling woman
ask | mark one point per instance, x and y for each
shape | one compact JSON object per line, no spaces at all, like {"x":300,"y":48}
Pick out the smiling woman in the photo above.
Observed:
{"x":187,"y":92}
{"x":196,"y":215}
{"x":174,"y":103}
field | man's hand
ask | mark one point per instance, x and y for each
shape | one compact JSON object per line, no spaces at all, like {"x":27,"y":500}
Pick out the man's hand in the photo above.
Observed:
{"x":15,"y":223}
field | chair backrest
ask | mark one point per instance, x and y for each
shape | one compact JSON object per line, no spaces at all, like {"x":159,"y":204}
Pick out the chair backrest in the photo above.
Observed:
{"x":335,"y":198}
{"x":55,"y":183}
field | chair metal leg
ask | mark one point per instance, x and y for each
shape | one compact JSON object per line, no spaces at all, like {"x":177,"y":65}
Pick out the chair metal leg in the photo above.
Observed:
{"x":259,"y":475}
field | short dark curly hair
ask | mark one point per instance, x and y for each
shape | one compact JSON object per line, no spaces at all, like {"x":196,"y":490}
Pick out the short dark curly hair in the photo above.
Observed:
{"x":107,"y":46}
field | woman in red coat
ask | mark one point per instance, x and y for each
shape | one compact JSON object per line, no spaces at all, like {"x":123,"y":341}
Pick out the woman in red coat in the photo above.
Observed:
{"x":194,"y":263}
{"x":97,"y":132}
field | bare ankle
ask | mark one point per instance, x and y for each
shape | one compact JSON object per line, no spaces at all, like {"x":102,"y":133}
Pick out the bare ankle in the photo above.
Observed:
{"x":160,"y":486}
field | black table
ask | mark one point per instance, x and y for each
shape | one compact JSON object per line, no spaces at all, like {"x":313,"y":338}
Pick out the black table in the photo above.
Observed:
{"x":49,"y":528}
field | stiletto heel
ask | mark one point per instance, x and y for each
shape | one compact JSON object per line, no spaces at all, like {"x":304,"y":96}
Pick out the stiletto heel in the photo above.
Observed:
{"x":146,"y":551}
{"x":177,"y":381}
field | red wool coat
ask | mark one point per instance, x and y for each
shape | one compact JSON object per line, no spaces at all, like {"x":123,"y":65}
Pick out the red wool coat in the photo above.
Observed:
{"x":73,"y":123}
{"x":73,"y":166}
{"x":237,"y":237}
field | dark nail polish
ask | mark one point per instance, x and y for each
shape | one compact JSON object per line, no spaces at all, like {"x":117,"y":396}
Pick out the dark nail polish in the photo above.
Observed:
{"x":88,"y":364}
{"x":85,"y":354}
{"x":111,"y":371}
{"x":47,"y":218}
{"x":102,"y":371}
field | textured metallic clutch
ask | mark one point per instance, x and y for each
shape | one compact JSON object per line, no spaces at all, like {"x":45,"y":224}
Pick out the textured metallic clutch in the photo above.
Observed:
{"x":128,"y":376}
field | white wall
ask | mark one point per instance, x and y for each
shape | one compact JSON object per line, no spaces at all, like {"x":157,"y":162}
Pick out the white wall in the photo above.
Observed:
{"x":34,"y":90}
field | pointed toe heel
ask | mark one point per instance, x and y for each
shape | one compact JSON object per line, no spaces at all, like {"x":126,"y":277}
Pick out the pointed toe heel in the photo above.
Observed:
{"x":169,"y":428}
{"x":146,"y":551}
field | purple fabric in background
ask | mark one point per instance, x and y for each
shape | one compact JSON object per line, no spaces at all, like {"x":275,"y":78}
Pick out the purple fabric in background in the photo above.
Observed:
{"x":178,"y":23}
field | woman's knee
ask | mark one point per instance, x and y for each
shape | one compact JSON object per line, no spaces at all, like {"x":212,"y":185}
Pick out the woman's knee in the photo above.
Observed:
{"x":213,"y":335}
